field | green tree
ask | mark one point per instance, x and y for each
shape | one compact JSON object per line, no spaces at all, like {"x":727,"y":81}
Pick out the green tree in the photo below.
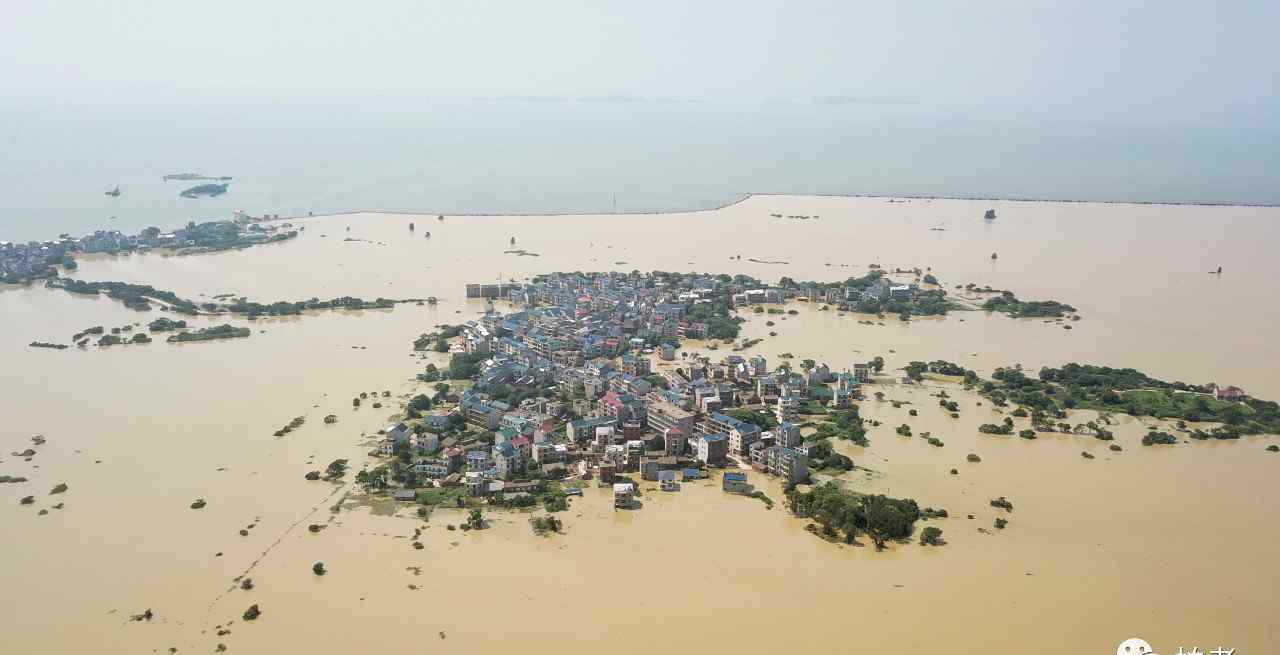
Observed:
{"x":475,"y":520}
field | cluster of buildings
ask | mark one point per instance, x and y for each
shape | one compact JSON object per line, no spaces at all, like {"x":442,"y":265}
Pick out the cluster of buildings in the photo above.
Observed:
{"x":583,"y":346}
{"x":25,"y":261}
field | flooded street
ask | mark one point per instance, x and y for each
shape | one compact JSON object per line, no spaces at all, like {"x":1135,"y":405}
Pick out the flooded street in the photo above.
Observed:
{"x":1175,"y":544}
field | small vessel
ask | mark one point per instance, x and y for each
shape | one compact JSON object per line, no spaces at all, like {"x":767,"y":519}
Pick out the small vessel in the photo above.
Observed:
{"x":440,"y":217}
{"x":513,"y":241}
{"x":411,"y":227}
{"x":990,"y":215}
{"x":114,"y":193}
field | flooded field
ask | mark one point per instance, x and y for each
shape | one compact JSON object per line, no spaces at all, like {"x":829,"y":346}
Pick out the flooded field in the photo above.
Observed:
{"x":1174,"y":544}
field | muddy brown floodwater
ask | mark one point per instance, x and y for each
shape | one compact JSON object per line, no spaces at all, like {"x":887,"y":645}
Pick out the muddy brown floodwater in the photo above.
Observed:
{"x":1173,"y":544}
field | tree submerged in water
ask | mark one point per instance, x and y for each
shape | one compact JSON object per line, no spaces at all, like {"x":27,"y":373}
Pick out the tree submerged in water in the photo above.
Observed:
{"x":544,"y":524}
{"x":838,"y":510}
{"x":932,"y":536}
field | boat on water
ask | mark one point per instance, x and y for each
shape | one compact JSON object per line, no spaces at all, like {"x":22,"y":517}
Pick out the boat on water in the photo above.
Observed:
{"x":114,"y":193}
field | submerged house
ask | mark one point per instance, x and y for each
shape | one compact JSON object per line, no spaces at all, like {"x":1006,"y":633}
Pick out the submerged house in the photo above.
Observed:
{"x":736,"y":482}
{"x":623,"y":493}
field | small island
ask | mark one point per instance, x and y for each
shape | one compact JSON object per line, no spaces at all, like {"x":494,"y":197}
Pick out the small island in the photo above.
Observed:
{"x":224,"y":331}
{"x":205,"y":191}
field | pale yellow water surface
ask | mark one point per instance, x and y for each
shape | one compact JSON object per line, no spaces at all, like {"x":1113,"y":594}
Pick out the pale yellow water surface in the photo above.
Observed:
{"x":1173,"y":544}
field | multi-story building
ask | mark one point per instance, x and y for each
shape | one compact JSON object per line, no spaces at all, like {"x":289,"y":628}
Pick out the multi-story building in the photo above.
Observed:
{"x":741,"y":434}
{"x":508,"y":460}
{"x":713,"y":449}
{"x":480,"y":414}
{"x":786,"y":408}
{"x":665,"y":416}
{"x":635,"y":365}
{"x":787,"y":434}
{"x":788,"y":463}
{"x":673,"y":442}
{"x":766,"y":386}
{"x":585,"y":429}
{"x":435,"y":467}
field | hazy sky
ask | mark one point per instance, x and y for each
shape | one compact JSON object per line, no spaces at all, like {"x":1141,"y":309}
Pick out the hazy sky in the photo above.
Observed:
{"x":1173,"y":61}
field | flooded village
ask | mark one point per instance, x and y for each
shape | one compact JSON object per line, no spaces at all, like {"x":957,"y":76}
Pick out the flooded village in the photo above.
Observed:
{"x":662,"y":440}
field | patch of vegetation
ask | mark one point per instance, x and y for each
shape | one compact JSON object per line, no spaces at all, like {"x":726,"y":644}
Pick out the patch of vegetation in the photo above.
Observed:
{"x":555,"y":502}
{"x":931,"y":536}
{"x":223,"y":331}
{"x":1154,"y":437}
{"x":823,"y":458}
{"x":1106,"y":389}
{"x":336,"y":469}
{"x":165,"y":324}
{"x":475,"y":520}
{"x":1002,"y":503}
{"x":992,"y":428}
{"x":134,"y":296}
{"x":464,"y":366}
{"x":879,"y":517}
{"x":844,"y":424}
{"x":760,"y":495}
{"x":1007,"y":303}
{"x":721,"y":324}
{"x":542,"y":525}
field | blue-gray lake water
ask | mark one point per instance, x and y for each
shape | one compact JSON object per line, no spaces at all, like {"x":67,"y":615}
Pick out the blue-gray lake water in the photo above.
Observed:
{"x":575,"y":155}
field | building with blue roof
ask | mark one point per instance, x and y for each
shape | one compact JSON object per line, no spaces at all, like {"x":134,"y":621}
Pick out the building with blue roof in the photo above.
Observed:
{"x":735,"y":482}
{"x":741,"y":433}
{"x":713,"y":449}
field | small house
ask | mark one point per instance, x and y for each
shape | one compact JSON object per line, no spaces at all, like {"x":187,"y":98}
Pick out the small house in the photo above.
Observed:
{"x":736,"y":483}
{"x":623,"y":493}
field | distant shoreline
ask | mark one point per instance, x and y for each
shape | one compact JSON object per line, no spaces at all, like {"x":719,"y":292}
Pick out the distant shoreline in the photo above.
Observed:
{"x":743,"y":197}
